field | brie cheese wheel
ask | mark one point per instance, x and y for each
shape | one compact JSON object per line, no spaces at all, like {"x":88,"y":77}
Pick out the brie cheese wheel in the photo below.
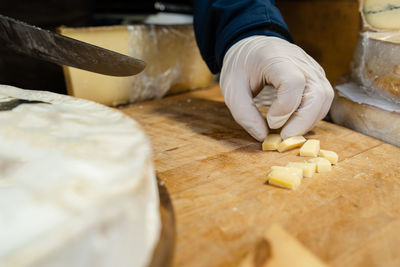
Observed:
{"x":77,"y":184}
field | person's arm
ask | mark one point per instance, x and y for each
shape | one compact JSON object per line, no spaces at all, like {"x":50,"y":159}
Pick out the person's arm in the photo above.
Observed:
{"x":248,"y":41}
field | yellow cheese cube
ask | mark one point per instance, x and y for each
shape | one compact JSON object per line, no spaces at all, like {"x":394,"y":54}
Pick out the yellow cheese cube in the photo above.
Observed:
{"x":271,"y":142}
{"x":290,"y":143}
{"x":284,"y":178}
{"x":310,"y":148}
{"x":329,"y":155}
{"x":323,"y":165}
{"x":297,"y":171}
{"x":308,"y":168}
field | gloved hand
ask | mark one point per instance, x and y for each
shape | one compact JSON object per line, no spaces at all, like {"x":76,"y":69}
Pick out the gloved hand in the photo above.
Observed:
{"x":304,"y":94}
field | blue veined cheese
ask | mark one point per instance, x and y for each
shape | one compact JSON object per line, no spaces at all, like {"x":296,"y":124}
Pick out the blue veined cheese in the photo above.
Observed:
{"x":77,"y":184}
{"x":381,"y":14}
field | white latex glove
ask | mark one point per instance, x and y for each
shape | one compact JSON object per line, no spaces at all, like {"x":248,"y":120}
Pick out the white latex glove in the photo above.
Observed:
{"x":304,"y":94}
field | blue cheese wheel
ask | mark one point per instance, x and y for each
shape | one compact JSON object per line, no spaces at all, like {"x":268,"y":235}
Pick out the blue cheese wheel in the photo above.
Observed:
{"x":77,"y":184}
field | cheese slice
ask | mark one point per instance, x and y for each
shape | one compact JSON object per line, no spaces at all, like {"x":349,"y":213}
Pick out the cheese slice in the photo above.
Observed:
{"x":271,"y":142}
{"x":310,"y":148}
{"x":77,"y":184}
{"x":173,"y":62}
{"x":284,"y":178}
{"x":308,"y":168}
{"x":289,"y":169}
{"x":329,"y":155}
{"x":323,"y":165}
{"x":381,"y":14}
{"x":290,"y":143}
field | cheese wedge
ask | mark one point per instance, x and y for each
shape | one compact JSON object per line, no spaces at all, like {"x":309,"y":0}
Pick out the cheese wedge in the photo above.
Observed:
{"x":284,"y":178}
{"x":309,"y":168}
{"x":310,"y":148}
{"x":329,"y":155}
{"x":290,"y":143}
{"x":174,"y":63}
{"x":271,"y":142}
{"x":323,"y":165}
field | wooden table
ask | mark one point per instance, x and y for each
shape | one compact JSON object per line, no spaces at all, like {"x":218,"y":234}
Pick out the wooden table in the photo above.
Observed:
{"x":216,"y":175}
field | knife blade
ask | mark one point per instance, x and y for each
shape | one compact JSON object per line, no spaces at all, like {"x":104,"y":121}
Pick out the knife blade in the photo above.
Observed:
{"x":49,"y":46}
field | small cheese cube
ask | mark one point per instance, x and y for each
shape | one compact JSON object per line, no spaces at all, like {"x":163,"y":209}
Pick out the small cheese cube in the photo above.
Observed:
{"x":271,"y":142}
{"x":290,"y":143}
{"x":323,"y":165}
{"x":284,"y":178}
{"x":297,"y":171}
{"x":308,"y":168}
{"x":310,"y":148}
{"x":329,"y":155}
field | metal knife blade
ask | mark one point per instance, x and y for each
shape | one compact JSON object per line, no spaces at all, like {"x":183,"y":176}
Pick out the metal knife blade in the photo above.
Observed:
{"x":49,"y":46}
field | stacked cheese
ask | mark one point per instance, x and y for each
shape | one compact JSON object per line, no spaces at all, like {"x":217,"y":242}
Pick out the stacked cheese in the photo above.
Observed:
{"x":77,"y":184}
{"x":368,"y":100}
{"x":376,"y":62}
{"x":290,"y":176}
{"x":173,"y":62}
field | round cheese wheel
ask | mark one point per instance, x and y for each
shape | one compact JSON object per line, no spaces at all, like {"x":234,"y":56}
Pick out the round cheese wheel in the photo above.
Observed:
{"x":77,"y":184}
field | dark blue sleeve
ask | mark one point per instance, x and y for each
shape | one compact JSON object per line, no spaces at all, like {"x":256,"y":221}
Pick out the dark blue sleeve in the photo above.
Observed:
{"x":219,"y":24}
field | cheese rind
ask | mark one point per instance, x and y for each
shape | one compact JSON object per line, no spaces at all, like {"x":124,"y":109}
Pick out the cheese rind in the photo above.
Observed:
{"x":290,"y":143}
{"x":323,"y":165}
{"x":271,"y":142}
{"x":329,"y":155}
{"x":81,"y":182}
{"x":310,"y":148}
{"x":284,"y":178}
{"x":309,"y":168}
{"x":376,"y":65}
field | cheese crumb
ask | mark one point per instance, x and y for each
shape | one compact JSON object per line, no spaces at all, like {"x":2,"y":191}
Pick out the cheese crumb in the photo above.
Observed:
{"x":310,"y":148}
{"x":323,"y":165}
{"x":290,"y":143}
{"x":329,"y":155}
{"x":308,"y":168}
{"x":271,"y":142}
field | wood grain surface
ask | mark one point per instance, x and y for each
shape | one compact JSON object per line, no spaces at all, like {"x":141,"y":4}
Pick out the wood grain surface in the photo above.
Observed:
{"x":216,"y":173}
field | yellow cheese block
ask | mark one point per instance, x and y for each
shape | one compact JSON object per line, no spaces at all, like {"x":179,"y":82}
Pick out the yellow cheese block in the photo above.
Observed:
{"x":173,"y":62}
{"x":285,"y":177}
{"x":295,"y":170}
{"x":290,"y":143}
{"x":271,"y":142}
{"x":329,"y":155}
{"x":323,"y":165}
{"x":310,"y":148}
{"x":309,"y":168}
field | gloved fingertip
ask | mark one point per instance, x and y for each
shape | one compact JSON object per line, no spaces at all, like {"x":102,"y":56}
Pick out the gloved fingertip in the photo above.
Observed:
{"x":276,"y":122}
{"x":259,"y":134}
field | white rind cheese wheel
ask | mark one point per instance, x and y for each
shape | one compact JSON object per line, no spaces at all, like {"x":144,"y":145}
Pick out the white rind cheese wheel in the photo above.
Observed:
{"x":77,"y":184}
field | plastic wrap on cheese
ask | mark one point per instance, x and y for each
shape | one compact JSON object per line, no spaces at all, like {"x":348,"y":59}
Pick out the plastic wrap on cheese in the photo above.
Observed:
{"x":376,"y":64}
{"x":173,"y":62}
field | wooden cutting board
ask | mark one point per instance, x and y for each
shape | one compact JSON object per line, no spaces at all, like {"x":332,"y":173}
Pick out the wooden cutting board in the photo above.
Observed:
{"x":216,"y":173}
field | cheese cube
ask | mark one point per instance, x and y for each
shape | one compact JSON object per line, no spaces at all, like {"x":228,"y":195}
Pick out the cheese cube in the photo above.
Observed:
{"x":290,"y":143}
{"x":323,"y":165}
{"x":284,"y":178}
{"x":329,"y":155}
{"x":308,"y":168}
{"x":297,"y":171}
{"x":271,"y":142}
{"x":310,"y":148}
